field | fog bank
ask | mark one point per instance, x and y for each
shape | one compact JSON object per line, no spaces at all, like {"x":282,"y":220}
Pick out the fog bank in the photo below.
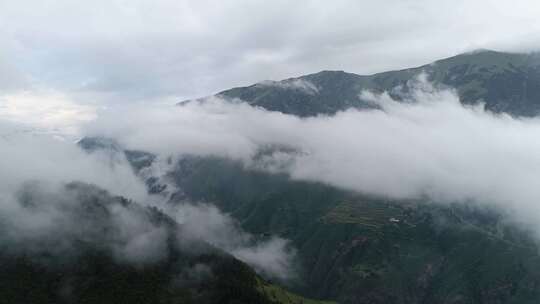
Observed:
{"x":427,"y":145}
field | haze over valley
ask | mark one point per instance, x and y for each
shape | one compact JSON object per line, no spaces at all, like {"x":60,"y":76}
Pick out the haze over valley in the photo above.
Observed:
{"x":182,"y":152}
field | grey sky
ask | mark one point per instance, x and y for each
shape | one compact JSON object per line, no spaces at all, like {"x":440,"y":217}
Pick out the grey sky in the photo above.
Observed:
{"x":107,"y":52}
{"x":127,"y":50}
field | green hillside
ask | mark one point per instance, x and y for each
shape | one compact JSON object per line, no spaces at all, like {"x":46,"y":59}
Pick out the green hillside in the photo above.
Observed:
{"x":358,"y":249}
{"x":506,"y":82}
{"x":80,"y":266}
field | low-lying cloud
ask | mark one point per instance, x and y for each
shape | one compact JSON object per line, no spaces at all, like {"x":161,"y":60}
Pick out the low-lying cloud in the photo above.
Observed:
{"x":292,"y":84}
{"x":273,"y":257}
{"x":427,"y":145}
{"x":59,"y":223}
{"x":28,"y":156}
{"x":41,"y":214}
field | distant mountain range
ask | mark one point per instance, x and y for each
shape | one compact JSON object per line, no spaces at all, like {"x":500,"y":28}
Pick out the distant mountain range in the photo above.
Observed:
{"x":351,"y":247}
{"x":505,"y":82}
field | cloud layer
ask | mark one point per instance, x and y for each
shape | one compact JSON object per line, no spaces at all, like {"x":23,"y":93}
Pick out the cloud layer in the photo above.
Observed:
{"x":39,"y":216}
{"x":430,"y":146}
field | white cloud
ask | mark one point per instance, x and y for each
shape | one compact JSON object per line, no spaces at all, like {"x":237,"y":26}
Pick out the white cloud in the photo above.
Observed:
{"x":28,"y":156}
{"x":272,"y":257}
{"x":48,"y":221}
{"x":292,"y":84}
{"x":55,"y":66}
{"x":429,"y":145}
{"x":40,"y":165}
{"x":120,"y":51}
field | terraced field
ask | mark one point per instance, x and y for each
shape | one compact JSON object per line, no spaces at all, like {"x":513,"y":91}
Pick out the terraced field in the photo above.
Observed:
{"x":282,"y":296}
{"x":372,"y":214}
{"x":353,"y":248}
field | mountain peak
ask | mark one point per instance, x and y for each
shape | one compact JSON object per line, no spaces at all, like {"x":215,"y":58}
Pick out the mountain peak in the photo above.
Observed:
{"x":485,"y":58}
{"x":504,"y":81}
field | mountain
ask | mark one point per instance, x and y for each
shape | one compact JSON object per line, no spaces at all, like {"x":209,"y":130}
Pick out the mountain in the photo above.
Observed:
{"x":355,"y":248}
{"x":506,"y":82}
{"x":94,"y":253}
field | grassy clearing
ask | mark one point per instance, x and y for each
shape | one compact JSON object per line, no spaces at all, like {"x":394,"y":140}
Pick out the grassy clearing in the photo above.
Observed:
{"x":282,"y":296}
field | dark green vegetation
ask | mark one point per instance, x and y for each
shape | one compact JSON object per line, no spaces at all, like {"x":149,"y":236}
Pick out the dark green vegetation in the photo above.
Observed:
{"x":505,"y":82}
{"x":65,"y":266}
{"x":358,"y":249}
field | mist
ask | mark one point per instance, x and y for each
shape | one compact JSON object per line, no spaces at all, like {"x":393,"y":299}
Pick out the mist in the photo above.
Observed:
{"x":427,"y":145}
{"x":29,"y":156}
{"x":44,"y":213}
{"x":57,"y":224}
{"x":273,"y":257}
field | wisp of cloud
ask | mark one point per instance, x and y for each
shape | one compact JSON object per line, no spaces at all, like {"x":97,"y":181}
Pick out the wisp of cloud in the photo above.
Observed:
{"x":426,"y":145}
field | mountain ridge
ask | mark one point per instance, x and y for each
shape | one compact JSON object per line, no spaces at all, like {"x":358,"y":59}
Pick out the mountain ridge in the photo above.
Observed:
{"x":505,"y":82}
{"x":356,"y":248}
{"x":88,"y":256}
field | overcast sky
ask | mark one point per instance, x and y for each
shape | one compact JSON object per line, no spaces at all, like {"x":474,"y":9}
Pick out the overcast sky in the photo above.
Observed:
{"x":101,"y":52}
